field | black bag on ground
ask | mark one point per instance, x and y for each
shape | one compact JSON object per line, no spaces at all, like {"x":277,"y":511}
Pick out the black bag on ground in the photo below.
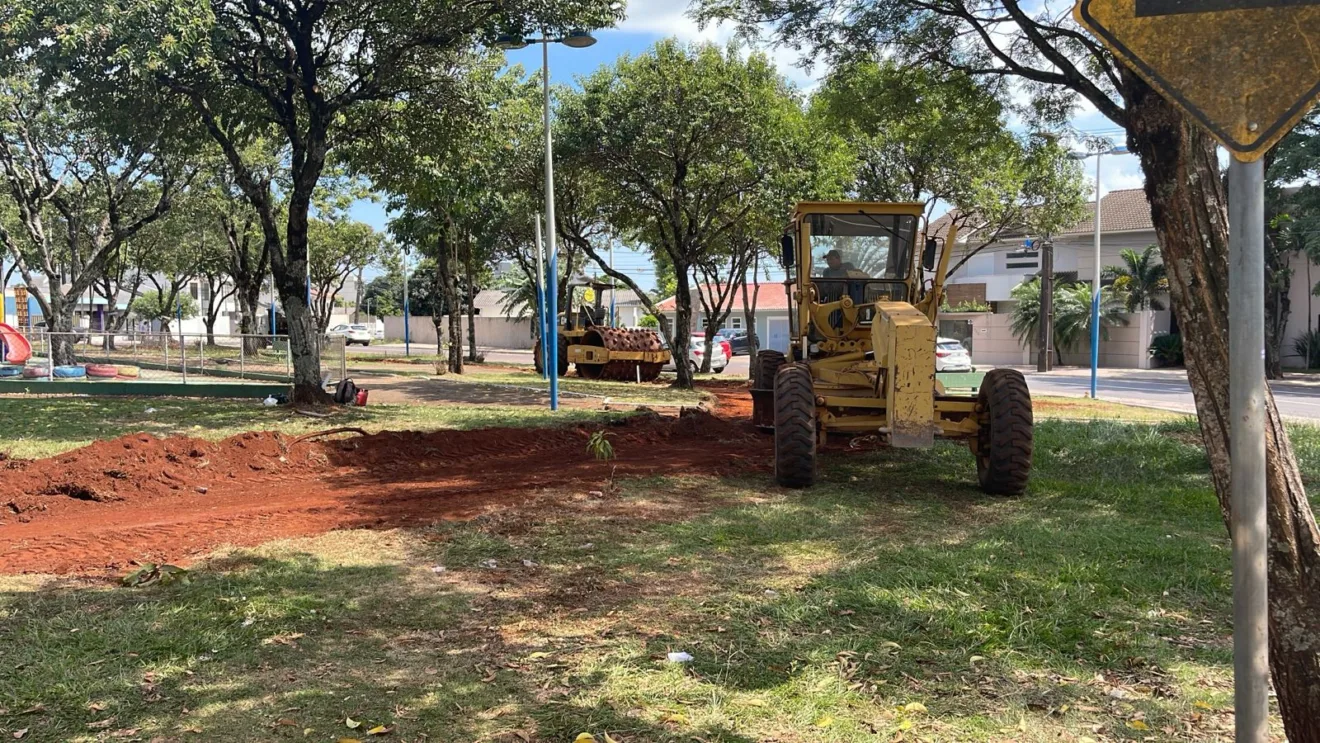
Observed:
{"x":346,"y":392}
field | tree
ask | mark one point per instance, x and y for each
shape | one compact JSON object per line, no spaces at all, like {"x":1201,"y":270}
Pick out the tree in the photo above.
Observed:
{"x":312,"y":76}
{"x":1292,"y":227}
{"x":1141,"y":279}
{"x":78,"y":189}
{"x":1056,"y":64}
{"x":156,"y":306}
{"x":446,"y":169}
{"x":339,"y":248}
{"x":680,"y":137}
{"x":1071,"y":314}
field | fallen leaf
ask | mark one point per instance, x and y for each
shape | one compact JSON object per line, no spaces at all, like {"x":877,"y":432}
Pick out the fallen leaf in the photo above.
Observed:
{"x":96,"y":706}
{"x":608,"y":739}
{"x":20,"y":733}
{"x":824,"y":721}
{"x":286,"y":722}
{"x":977,"y":658}
{"x":1201,"y":705}
{"x":34,"y":709}
{"x":349,"y":740}
{"x":585,"y":738}
{"x":380,"y":730}
{"x":308,"y":731}
{"x":351,"y":724}
{"x":1138,"y":725}
{"x":102,"y":725}
{"x":676,"y":717}
{"x":914,"y":707}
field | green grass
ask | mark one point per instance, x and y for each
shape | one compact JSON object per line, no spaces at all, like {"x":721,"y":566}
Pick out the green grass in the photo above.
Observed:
{"x":1096,"y":606}
{"x":42,"y":427}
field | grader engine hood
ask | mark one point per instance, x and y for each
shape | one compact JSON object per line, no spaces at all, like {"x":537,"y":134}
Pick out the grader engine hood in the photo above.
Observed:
{"x":903,"y":339}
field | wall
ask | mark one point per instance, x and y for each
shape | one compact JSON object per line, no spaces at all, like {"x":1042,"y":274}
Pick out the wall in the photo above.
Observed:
{"x":778,"y":341}
{"x":492,"y":332}
{"x":1071,"y":253}
{"x":993,"y":342}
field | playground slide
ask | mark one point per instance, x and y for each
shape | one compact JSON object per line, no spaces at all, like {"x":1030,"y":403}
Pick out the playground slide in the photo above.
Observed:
{"x":17,"y":348}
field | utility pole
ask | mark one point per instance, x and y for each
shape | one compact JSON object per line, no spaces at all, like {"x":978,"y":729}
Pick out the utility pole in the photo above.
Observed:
{"x":1046,"y":322}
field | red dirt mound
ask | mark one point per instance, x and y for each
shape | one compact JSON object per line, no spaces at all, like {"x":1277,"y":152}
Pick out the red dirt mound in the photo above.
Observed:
{"x":143,"y":498}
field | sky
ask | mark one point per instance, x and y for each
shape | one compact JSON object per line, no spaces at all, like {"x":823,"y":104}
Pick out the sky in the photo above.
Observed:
{"x":649,"y":21}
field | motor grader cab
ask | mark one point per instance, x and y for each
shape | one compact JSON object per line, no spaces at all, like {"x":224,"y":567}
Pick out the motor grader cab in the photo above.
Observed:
{"x":599,"y":351}
{"x":865,"y":284}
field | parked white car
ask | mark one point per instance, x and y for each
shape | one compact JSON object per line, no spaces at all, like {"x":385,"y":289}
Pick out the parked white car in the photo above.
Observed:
{"x":697,"y":351}
{"x":351,"y":334}
{"x":952,"y":356}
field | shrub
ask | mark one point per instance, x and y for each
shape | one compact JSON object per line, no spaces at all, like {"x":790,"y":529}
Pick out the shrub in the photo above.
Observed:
{"x":1307,"y":345}
{"x":1167,"y":350}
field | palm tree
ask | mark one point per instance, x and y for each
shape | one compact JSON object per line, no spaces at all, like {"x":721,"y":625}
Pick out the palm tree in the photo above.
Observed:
{"x":1141,"y":277}
{"x":1072,"y":314}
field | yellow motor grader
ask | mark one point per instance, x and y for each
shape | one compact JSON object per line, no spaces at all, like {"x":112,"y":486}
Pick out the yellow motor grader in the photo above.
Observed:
{"x":602,"y":352}
{"x":863,"y":306}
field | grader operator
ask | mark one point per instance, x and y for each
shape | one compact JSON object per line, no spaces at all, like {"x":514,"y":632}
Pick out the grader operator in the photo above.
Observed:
{"x":863,"y":308}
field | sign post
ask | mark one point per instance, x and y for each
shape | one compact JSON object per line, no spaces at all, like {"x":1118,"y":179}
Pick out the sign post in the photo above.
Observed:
{"x":1230,"y":66}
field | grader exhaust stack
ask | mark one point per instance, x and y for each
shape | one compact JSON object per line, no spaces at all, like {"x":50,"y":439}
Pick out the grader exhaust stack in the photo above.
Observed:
{"x":862,"y":357}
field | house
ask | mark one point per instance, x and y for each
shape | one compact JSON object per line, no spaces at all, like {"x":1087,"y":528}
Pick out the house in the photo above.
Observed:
{"x":992,"y":272}
{"x":772,"y":321}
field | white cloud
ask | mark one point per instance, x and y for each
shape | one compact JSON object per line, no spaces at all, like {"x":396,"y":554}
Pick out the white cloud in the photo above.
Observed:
{"x":664,"y":18}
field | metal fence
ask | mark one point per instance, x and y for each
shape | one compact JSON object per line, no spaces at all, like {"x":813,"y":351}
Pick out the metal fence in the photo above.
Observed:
{"x":179,"y":356}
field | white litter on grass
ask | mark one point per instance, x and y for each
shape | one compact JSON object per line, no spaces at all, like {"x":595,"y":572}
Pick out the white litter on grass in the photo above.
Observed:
{"x":437,"y":569}
{"x":528,"y":564}
{"x":680,"y":657}
{"x":489,"y":564}
{"x":149,"y":411}
{"x":270,"y":402}
{"x":771,"y":592}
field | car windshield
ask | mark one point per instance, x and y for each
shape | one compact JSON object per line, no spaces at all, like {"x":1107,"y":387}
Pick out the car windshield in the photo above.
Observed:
{"x":359,"y":327}
{"x":950,"y":346}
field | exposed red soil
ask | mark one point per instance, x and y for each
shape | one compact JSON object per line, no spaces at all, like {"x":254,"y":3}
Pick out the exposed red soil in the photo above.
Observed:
{"x":141,"y":498}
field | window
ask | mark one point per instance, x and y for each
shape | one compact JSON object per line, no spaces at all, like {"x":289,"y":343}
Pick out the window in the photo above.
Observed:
{"x":1022,"y":259}
{"x":736,"y":323}
{"x":195,"y":290}
{"x":862,"y":246}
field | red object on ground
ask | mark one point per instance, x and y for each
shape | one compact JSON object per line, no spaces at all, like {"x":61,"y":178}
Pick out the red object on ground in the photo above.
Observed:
{"x":139,"y":497}
{"x":17,"y":348}
{"x":105,"y":371}
{"x":361,"y":399}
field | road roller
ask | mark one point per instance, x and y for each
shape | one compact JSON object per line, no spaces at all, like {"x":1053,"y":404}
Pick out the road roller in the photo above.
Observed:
{"x":599,"y":351}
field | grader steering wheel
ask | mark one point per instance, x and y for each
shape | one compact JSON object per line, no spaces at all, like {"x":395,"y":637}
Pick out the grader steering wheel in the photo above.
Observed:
{"x":847,"y":310}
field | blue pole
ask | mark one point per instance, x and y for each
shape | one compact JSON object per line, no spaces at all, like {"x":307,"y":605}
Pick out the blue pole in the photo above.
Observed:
{"x":272,"y":309}
{"x":552,"y":320}
{"x":553,"y":284}
{"x":1095,"y":341}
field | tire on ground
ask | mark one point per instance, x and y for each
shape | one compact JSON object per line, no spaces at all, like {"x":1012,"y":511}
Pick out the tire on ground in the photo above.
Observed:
{"x":795,"y":427}
{"x":1003,"y":460}
{"x":539,"y":363}
{"x":767,"y":365}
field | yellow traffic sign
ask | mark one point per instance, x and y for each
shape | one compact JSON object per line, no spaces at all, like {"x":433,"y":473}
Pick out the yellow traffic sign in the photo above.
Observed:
{"x":589,"y":295}
{"x":1247,"y":70}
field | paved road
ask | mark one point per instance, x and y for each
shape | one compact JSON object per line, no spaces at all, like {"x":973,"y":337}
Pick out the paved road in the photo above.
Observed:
{"x":1167,"y":390}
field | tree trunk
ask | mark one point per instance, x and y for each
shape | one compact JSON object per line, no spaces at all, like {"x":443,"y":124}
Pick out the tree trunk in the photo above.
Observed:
{"x":60,"y":325}
{"x":1188,"y":207}
{"x":209,"y":322}
{"x":357,"y":298}
{"x":446,"y":273}
{"x":749,"y":314}
{"x":471,"y":300}
{"x":682,"y":328}
{"x":247,"y":318}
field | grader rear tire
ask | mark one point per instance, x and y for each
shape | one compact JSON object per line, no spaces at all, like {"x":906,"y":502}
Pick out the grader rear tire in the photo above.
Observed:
{"x":539,"y":362}
{"x":1003,"y":460}
{"x":767,"y":365}
{"x":795,"y":427}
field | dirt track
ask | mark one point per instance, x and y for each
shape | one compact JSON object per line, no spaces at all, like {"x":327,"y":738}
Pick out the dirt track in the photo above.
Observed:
{"x":140,"y":498}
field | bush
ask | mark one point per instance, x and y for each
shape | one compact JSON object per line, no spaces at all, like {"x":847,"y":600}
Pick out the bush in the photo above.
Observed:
{"x":1167,"y":350}
{"x":970,"y":305}
{"x":1307,"y":345}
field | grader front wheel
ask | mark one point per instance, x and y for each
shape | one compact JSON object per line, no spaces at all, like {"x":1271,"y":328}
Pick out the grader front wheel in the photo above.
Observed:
{"x":795,"y":427}
{"x":1004,"y":444}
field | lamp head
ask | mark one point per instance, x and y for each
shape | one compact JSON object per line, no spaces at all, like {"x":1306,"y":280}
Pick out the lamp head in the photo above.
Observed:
{"x":579,"y":40}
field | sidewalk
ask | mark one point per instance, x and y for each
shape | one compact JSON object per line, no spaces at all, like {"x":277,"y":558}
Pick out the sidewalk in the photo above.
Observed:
{"x":1294,"y":380}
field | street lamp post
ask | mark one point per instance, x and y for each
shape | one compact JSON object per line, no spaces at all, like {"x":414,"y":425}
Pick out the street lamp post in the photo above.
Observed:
{"x":544,"y":321}
{"x":576,"y":40}
{"x":1095,"y":280}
